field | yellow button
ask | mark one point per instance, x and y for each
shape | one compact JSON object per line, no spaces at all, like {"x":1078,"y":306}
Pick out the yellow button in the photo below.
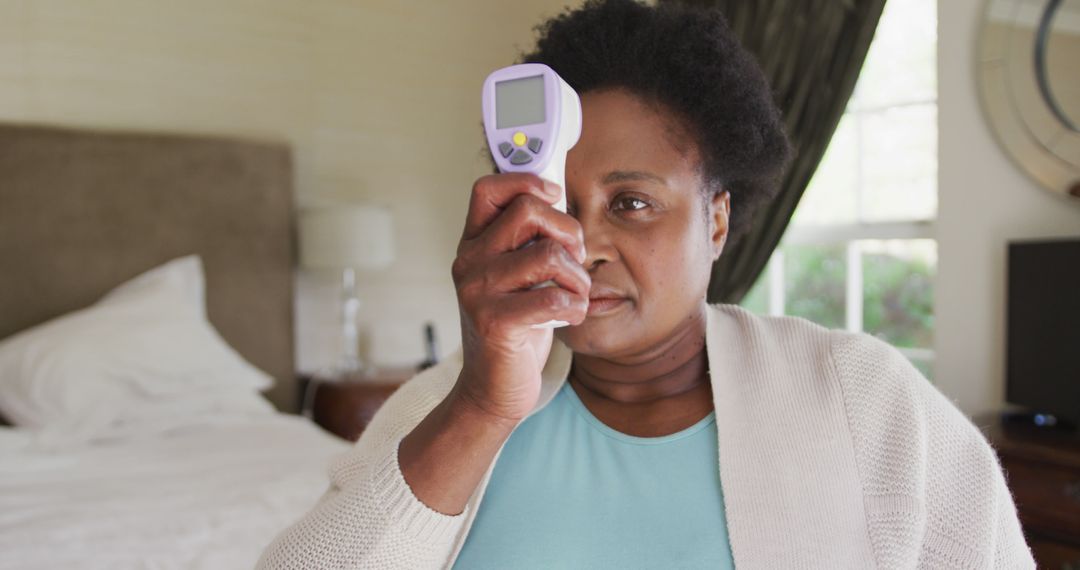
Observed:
{"x":520,"y":138}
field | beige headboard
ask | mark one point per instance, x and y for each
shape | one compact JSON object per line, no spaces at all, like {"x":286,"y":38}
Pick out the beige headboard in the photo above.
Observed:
{"x":82,"y":211}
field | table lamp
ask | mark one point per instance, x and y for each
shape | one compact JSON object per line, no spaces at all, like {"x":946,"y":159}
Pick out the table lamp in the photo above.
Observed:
{"x":347,"y":238}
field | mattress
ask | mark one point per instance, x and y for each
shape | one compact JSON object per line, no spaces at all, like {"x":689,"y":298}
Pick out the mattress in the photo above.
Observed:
{"x":208,"y":496}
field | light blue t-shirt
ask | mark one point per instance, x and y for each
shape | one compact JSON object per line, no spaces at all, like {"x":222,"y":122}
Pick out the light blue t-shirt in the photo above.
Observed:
{"x":570,"y":492}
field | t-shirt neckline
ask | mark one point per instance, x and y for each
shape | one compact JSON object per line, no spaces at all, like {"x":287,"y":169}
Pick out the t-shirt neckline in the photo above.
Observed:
{"x":611,"y":432}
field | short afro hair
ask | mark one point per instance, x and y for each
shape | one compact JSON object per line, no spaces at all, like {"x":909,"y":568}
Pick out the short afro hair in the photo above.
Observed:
{"x":689,"y":61}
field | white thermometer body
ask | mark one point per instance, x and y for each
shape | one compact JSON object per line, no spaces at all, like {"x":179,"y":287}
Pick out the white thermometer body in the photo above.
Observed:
{"x":532,"y":118}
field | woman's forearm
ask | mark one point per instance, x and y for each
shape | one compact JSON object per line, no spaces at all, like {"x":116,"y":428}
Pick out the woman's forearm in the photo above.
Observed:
{"x":446,"y":455}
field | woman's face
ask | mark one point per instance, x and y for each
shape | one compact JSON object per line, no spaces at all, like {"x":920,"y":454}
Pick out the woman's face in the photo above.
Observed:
{"x":632,"y":182}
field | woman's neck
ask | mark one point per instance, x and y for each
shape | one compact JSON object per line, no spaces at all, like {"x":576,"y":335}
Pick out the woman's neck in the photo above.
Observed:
{"x":658,"y":392}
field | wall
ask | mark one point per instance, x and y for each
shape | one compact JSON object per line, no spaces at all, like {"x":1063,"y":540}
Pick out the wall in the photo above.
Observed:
{"x":380,"y":100}
{"x":984,"y":201}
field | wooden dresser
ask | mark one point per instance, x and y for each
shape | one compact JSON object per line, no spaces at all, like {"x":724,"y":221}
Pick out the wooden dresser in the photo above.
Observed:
{"x":1043,"y":471}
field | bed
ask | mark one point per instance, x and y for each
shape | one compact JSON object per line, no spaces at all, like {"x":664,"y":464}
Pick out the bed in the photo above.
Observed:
{"x":146,"y":351}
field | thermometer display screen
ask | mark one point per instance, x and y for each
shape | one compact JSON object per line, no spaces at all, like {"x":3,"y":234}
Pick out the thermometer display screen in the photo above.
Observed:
{"x":519,"y":102}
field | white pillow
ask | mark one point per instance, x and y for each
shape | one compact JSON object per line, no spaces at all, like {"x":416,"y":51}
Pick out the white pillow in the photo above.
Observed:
{"x":144,"y":353}
{"x":179,"y":280}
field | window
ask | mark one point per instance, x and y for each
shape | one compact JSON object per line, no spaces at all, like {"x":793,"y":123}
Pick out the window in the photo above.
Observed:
{"x":859,"y":253}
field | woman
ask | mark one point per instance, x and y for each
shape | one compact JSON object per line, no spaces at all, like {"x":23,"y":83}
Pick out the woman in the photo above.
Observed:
{"x":656,"y":430}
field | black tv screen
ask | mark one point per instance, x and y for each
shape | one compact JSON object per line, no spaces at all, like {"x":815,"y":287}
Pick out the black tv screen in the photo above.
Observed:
{"x":1043,"y":327}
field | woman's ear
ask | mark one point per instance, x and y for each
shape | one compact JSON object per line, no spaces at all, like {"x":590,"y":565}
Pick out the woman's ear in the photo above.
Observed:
{"x":719,"y":214}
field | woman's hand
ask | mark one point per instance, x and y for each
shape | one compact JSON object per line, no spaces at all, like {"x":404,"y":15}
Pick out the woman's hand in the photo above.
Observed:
{"x":494,"y":276}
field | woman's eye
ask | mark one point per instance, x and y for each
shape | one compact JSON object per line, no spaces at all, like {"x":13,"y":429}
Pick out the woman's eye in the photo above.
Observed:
{"x":630,"y":203}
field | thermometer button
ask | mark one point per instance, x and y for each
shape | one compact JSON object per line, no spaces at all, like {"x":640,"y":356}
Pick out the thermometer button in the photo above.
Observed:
{"x":534,"y":144}
{"x":520,"y":157}
{"x":520,"y":138}
{"x":505,"y":149}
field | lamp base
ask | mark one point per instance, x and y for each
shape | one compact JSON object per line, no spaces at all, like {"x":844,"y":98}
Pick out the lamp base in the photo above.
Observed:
{"x":350,"y":363}
{"x":351,"y":366}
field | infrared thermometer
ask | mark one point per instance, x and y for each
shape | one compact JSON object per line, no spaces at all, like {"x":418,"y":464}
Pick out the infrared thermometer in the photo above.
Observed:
{"x":532,"y":118}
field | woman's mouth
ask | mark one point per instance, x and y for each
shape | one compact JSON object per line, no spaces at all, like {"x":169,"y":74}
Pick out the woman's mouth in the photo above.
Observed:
{"x":604,"y":305}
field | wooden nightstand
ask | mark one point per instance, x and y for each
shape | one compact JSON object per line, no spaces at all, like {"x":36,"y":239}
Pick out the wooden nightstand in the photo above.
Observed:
{"x":1042,"y":467}
{"x":345,"y":406}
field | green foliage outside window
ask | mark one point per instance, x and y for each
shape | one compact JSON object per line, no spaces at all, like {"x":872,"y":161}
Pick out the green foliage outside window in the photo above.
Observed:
{"x":898,"y":295}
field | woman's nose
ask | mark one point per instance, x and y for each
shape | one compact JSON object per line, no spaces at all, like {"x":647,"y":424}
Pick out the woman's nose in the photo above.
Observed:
{"x":599,"y":247}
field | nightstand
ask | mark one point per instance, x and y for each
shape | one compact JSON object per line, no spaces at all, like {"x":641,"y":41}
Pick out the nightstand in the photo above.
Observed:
{"x":345,"y":406}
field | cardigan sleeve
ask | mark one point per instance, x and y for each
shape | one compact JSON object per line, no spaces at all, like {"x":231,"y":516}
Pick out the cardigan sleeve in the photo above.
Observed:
{"x":971,"y":517}
{"x":933,"y":488}
{"x":369,"y":517}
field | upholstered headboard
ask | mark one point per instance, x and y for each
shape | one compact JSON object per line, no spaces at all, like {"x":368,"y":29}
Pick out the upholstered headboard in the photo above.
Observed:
{"x":82,"y":211}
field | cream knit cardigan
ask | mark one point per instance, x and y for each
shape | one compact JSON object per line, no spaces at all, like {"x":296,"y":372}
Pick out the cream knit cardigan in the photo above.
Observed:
{"x":834,"y":453}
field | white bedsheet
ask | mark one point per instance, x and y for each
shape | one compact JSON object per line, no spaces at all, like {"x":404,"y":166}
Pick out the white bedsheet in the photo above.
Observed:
{"x":207,"y":497}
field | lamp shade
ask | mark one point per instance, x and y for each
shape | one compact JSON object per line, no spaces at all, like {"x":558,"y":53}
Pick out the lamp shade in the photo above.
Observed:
{"x":344,"y":236}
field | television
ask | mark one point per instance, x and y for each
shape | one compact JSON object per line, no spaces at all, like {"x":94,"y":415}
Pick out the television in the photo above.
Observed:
{"x":1043,"y":329}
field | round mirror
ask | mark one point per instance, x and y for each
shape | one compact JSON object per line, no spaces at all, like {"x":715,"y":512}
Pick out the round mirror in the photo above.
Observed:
{"x":1029,"y":79}
{"x":1055,"y":60}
